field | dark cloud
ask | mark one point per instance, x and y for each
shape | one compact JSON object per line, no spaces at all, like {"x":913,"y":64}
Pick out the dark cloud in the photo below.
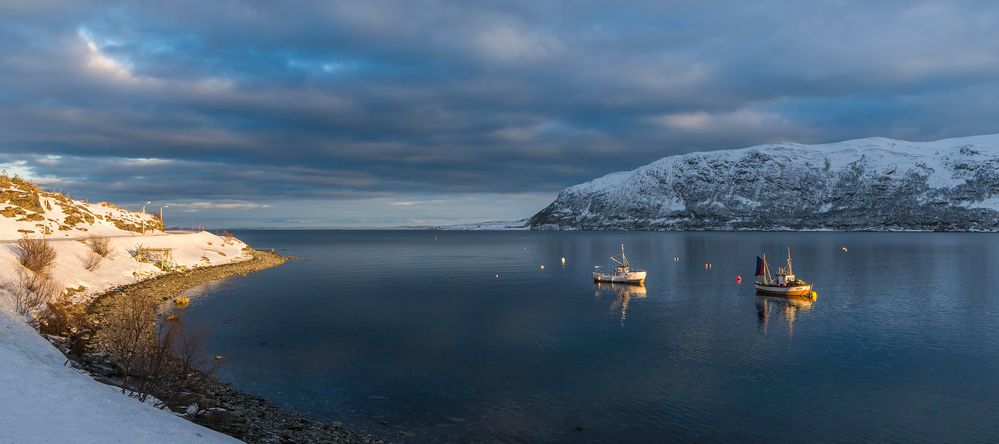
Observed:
{"x":231,"y":105}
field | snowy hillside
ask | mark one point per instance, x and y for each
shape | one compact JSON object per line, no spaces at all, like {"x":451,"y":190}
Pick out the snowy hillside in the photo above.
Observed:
{"x":41,"y":398}
{"x":26,"y":209}
{"x":45,"y":401}
{"x":865,"y":184}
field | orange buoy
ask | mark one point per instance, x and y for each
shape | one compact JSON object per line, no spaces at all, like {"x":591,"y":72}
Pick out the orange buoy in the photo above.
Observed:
{"x":738,"y":279}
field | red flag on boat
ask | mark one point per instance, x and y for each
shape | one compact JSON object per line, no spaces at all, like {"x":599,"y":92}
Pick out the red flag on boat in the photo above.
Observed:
{"x":759,"y":266}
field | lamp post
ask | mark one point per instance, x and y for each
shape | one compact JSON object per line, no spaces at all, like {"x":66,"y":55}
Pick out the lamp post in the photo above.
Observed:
{"x":161,"y":217}
{"x":144,"y":212}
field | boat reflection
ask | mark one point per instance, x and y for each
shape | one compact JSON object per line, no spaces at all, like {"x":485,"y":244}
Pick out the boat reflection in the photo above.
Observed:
{"x":622,"y":294}
{"x":786,"y":306}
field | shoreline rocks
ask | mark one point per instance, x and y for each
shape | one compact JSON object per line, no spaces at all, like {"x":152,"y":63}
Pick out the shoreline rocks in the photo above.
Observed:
{"x":210,"y":402}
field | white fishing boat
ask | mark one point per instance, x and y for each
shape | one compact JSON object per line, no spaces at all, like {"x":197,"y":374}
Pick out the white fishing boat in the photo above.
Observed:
{"x":623,"y":274}
{"x":786,"y":284}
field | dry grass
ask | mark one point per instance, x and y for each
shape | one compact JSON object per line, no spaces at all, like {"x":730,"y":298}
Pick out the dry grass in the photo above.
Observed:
{"x":36,"y":255}
{"x":100,"y":246}
{"x":92,"y":261}
{"x":28,"y":291}
{"x":227,"y":238}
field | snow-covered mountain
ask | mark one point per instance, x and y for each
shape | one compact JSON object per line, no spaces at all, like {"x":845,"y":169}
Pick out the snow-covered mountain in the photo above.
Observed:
{"x":865,"y":184}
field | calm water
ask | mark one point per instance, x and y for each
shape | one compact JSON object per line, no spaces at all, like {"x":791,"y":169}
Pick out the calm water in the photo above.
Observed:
{"x":412,"y":331}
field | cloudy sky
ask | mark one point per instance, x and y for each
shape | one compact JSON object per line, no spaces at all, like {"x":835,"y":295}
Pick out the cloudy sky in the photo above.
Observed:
{"x":364,"y":113}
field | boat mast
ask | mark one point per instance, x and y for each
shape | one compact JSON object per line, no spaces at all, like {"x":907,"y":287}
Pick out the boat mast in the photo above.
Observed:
{"x":766,"y":268}
{"x":624,"y":259}
{"x":789,"y":270}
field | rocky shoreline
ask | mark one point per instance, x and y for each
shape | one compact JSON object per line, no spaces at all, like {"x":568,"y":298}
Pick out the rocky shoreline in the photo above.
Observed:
{"x":206,"y":401}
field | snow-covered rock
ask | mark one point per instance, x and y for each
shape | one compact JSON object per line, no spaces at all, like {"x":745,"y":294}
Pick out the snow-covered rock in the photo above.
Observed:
{"x":865,"y":184}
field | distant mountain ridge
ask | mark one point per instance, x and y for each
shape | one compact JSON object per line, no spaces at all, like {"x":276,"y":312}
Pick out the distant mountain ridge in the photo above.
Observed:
{"x":875,"y":184}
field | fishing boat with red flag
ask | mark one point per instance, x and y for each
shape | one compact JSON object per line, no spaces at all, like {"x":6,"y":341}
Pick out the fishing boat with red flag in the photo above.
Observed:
{"x":785,"y":284}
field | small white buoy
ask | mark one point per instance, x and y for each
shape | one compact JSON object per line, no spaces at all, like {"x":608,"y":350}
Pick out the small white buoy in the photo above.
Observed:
{"x":676,"y":258}
{"x":497,"y":275}
{"x":542,"y":266}
{"x":844,"y":249}
{"x":563,"y":261}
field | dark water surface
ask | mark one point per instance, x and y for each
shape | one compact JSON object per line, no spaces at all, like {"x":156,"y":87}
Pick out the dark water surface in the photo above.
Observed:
{"x":412,"y":331}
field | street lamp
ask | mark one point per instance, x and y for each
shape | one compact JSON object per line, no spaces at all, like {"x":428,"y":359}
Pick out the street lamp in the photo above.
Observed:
{"x":144,"y":212}
{"x":161,"y":217}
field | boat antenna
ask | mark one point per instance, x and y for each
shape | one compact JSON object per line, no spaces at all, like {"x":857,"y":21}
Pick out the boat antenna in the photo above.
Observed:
{"x":624,"y":259}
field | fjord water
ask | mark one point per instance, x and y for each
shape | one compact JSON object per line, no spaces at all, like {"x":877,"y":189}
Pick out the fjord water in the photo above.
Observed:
{"x":412,"y":331}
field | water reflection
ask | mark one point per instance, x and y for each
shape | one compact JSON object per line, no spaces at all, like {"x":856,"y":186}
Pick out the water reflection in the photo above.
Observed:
{"x":622,"y":294}
{"x":787,"y":307}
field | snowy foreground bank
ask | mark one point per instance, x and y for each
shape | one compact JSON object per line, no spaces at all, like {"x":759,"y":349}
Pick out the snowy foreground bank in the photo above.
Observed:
{"x":43,"y":400}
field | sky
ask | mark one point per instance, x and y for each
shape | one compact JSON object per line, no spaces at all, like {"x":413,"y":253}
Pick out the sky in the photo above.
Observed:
{"x":394,"y":113}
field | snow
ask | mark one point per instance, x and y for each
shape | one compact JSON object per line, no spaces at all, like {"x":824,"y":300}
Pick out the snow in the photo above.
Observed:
{"x":853,"y":184}
{"x":44,"y":401}
{"x":497,"y":225}
{"x":41,"y":399}
{"x":990,"y":203}
{"x":56,"y":216}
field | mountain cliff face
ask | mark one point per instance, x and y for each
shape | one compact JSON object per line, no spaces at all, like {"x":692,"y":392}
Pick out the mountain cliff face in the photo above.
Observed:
{"x":867,"y":184}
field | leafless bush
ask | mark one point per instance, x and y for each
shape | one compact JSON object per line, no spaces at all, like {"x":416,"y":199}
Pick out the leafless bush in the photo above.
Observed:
{"x":92,"y":261}
{"x":128,"y":333}
{"x":28,"y":291}
{"x":66,"y":319}
{"x":227,"y":238}
{"x":143,"y":347}
{"x":154,"y":363}
{"x":188,"y":347}
{"x":35,"y":254}
{"x":62,"y":317}
{"x":100,"y":246}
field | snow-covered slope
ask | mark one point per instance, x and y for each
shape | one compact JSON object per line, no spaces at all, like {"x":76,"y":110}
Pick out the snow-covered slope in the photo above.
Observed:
{"x":865,"y":184}
{"x":26,"y":209}
{"x":41,"y":400}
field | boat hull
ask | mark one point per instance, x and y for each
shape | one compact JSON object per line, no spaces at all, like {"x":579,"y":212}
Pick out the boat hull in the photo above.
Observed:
{"x":631,"y":277}
{"x":774,"y":290}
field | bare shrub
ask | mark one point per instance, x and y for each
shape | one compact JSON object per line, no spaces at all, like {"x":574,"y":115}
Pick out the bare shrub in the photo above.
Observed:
{"x":188,"y":347}
{"x":227,"y":238}
{"x":100,"y":246}
{"x":28,"y":291}
{"x":64,"y":318}
{"x":128,"y":333}
{"x":92,"y":261}
{"x":154,"y":363}
{"x":35,"y":254}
